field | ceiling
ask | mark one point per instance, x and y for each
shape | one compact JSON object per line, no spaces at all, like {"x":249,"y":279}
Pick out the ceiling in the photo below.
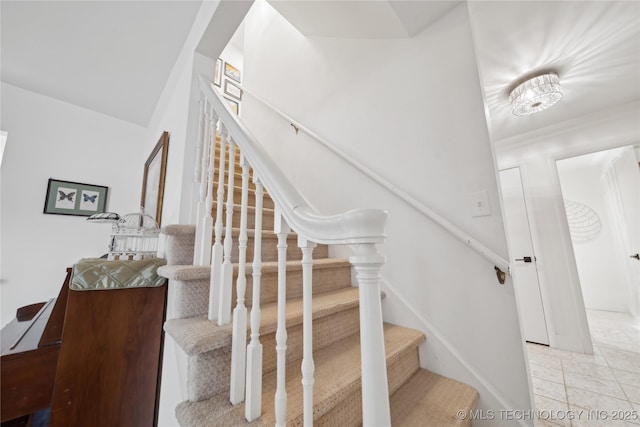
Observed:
{"x":594,"y":47}
{"x":115,"y":57}
{"x":362,"y":19}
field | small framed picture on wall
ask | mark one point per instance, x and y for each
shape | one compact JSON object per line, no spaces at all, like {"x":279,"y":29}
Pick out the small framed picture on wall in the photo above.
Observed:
{"x":231,"y":72}
{"x":235,"y":107}
{"x":232,"y":90}
{"x":217,"y":73}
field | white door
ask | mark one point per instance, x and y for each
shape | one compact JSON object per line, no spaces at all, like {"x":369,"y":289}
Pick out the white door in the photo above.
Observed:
{"x":523,"y":260}
{"x":623,"y":179}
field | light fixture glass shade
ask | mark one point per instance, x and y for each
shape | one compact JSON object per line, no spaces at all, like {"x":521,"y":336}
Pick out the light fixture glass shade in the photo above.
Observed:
{"x":536,"y":94}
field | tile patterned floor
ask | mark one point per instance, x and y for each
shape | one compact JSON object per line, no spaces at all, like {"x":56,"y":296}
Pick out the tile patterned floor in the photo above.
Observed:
{"x":575,"y":390}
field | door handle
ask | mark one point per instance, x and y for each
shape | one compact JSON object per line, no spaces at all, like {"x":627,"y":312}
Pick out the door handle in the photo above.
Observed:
{"x":525,"y":259}
{"x":636,"y":256}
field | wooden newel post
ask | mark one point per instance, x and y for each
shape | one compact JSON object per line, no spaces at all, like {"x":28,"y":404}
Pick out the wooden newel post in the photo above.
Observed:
{"x":375,"y":392}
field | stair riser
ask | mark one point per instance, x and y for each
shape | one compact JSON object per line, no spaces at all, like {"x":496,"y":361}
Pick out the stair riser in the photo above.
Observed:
{"x":218,"y":361}
{"x":179,"y":249}
{"x":237,"y":181}
{"x":349,"y":411}
{"x":237,"y":196}
{"x":192,"y":297}
{"x":326,"y":331}
{"x":195,"y":293}
{"x":267,"y":218}
{"x":208,"y":374}
{"x":269,"y":250}
{"x":324,"y":280}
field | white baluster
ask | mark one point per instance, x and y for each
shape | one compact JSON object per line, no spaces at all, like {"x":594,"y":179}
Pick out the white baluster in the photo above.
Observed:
{"x":375,"y":395}
{"x":226,"y":281}
{"x":207,"y":223}
{"x":239,"y":338}
{"x":308,"y":366}
{"x":197,"y":163}
{"x":281,"y":228}
{"x":216,"y":257}
{"x":201,"y":169}
{"x":253,"y":401}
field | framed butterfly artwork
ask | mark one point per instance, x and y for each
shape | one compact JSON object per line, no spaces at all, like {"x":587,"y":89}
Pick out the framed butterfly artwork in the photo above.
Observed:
{"x":74,"y":198}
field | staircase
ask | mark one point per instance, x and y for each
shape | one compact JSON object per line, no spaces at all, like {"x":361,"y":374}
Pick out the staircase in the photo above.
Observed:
{"x":417,"y":397}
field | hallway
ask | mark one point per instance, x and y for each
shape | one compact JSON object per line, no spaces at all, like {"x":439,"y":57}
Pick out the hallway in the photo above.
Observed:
{"x":590,"y":388}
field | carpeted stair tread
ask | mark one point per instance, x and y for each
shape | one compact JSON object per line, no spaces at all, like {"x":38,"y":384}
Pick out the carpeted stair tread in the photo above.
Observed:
{"x":319,"y":263}
{"x":196,"y":272}
{"x":198,"y":335}
{"x":337,"y":375}
{"x":185,"y":273}
{"x":431,"y":400}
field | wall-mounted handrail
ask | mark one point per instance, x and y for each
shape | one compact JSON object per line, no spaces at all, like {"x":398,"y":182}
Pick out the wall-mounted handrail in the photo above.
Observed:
{"x":490,"y":255}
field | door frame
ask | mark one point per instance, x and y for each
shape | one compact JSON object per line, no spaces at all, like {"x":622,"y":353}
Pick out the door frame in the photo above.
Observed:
{"x":612,"y":185}
{"x":533,"y":232}
{"x":615,"y":198}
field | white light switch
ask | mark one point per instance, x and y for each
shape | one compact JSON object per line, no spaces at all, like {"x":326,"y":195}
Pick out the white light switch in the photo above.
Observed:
{"x":479,"y":203}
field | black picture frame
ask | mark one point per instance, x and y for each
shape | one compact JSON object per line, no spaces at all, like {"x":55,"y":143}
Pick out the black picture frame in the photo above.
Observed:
{"x":74,"y":198}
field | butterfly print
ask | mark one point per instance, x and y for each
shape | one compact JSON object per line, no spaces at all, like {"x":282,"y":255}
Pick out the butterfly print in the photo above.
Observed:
{"x":66,"y":196}
{"x":88,"y":198}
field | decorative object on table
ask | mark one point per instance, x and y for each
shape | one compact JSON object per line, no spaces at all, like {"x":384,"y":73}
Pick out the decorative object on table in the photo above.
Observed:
{"x":74,"y":198}
{"x":232,"y":90}
{"x":217,"y":73}
{"x":134,"y":236}
{"x":231,"y":72}
{"x":235,"y":107}
{"x":155,"y":170}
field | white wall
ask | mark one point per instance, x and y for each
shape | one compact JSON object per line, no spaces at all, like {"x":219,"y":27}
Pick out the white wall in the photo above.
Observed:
{"x":536,"y":154}
{"x":53,"y":139}
{"x":412,"y":111}
{"x":600,"y":268}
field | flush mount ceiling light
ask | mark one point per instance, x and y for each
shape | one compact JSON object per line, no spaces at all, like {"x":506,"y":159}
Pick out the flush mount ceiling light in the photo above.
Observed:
{"x":536,"y":94}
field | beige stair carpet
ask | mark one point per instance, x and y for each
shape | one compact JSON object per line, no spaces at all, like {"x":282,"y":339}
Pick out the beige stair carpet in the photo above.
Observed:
{"x":417,"y":397}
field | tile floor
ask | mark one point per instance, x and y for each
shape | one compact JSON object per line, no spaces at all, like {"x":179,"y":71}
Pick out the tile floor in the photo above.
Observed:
{"x":575,"y":390}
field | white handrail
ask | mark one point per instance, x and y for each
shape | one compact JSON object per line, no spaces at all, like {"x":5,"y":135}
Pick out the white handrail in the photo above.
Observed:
{"x":490,"y":255}
{"x":351,"y":227}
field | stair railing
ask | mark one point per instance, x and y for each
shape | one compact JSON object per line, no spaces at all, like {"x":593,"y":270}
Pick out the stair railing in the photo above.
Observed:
{"x":362,"y":228}
{"x":501,"y":265}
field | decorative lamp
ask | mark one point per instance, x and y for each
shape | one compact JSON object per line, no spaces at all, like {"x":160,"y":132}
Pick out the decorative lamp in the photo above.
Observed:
{"x":104,"y":218}
{"x":536,"y":94}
